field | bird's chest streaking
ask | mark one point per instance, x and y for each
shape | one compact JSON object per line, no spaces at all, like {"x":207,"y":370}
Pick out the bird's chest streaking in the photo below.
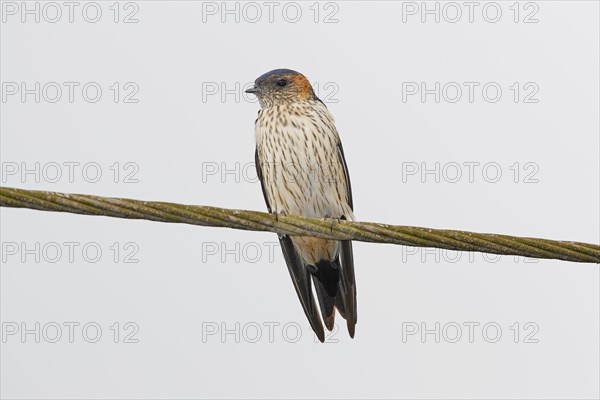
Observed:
{"x":302,"y":170}
{"x":298,"y":149}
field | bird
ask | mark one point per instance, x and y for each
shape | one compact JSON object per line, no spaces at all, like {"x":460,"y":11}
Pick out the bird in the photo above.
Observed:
{"x":302,"y":169}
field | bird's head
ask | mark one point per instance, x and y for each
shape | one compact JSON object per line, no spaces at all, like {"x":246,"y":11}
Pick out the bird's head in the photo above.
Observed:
{"x":281,"y":86}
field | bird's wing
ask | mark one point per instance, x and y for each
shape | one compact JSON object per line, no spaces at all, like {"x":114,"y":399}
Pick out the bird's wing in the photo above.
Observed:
{"x":348,"y":285}
{"x":261,"y":179}
{"x":346,"y":175}
{"x":348,"y":281}
{"x":302,"y":283}
{"x":298,"y":271}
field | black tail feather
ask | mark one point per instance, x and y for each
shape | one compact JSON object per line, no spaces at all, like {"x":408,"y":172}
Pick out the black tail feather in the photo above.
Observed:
{"x":334,"y":284}
{"x":326,"y":302}
{"x":335,"y":287}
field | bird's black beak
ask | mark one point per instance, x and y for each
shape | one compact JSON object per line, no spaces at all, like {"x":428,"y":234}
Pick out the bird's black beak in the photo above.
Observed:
{"x":253,"y":90}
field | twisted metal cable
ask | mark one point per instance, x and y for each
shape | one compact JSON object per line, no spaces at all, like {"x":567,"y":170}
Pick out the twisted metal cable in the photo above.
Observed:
{"x":295,"y":225}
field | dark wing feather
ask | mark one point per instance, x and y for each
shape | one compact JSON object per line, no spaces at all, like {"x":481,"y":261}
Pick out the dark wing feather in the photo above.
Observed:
{"x":348,"y":284}
{"x":302,"y":283}
{"x":348,"y":281}
{"x":260,"y":178}
{"x":346,"y":174}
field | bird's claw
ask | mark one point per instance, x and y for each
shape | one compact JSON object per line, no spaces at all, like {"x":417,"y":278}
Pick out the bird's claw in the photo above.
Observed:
{"x":332,"y":221}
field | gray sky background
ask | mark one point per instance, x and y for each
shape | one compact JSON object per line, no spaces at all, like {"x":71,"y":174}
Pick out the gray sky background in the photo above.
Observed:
{"x":522,"y":161}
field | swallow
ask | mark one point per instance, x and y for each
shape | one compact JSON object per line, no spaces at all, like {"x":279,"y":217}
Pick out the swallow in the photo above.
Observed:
{"x":302,"y":170}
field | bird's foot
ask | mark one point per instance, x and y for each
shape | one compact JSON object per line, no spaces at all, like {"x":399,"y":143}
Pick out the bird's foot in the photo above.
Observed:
{"x":332,"y":221}
{"x":277,"y":214}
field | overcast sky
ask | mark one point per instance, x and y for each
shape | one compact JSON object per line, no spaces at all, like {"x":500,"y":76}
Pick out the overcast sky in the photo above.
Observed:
{"x":478,"y":117}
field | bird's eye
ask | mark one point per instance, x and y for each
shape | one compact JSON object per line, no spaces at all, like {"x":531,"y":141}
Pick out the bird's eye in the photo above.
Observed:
{"x":282,"y":82}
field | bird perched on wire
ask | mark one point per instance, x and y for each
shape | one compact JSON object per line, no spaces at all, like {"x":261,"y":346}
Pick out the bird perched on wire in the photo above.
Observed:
{"x":302,"y":170}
